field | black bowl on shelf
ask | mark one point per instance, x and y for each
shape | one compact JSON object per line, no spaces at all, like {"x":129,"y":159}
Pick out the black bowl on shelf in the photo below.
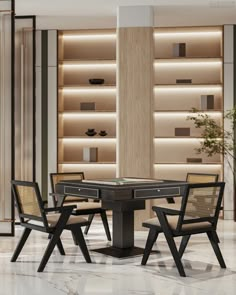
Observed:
{"x":103,"y":133}
{"x":91,"y":132}
{"x":96,"y":81}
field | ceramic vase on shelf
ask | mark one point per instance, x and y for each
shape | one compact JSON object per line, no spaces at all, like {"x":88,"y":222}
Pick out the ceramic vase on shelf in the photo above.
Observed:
{"x":91,"y":132}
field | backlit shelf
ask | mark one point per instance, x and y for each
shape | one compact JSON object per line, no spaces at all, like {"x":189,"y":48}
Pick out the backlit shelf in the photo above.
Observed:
{"x":70,"y":89}
{"x":91,"y":64}
{"x":86,"y":60}
{"x":86,"y":112}
{"x":83,"y":138}
{"x":186,"y":113}
{"x":85,"y":163}
{"x":89,"y":36}
{"x":188,"y":32}
{"x":187,"y":164}
{"x":190,"y":111}
{"x":188,"y":58}
{"x":190,"y":86}
{"x":214,"y":61}
{"x":176,"y":137}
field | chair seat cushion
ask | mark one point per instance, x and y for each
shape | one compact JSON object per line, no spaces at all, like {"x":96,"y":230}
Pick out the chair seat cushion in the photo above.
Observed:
{"x":173,"y":220}
{"x":53,"y":219}
{"x":84,"y":205}
{"x":75,"y":199}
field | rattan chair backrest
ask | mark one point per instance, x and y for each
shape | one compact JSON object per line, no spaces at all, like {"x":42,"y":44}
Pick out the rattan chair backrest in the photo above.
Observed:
{"x":201,"y":203}
{"x":57,"y":177}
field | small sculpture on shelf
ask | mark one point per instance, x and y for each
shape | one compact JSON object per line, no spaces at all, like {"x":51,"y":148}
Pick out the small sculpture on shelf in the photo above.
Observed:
{"x":103,"y":133}
{"x":91,"y":132}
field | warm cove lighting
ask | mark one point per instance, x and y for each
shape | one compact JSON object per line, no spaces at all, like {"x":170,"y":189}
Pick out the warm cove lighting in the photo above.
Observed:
{"x":107,"y":89}
{"x":101,"y":166}
{"x":180,"y":140}
{"x":184,"y":114}
{"x":187,"y":166}
{"x":102,"y":141}
{"x":89,"y":65}
{"x":181,"y":63}
{"x":185,"y":88}
{"x":89,"y":36}
{"x":189,"y":34}
{"x":89,"y":115}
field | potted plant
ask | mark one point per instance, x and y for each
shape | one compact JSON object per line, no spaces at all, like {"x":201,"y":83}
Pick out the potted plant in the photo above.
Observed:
{"x":215,"y":138}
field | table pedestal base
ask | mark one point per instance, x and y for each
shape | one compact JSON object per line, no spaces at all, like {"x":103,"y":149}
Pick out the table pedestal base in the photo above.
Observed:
{"x":122,"y":253}
{"x":119,"y":252}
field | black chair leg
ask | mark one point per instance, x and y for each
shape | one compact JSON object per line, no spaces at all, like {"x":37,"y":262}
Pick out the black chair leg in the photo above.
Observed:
{"x":152,"y":236}
{"x":212,"y":237}
{"x":90,"y":219}
{"x":77,"y":232}
{"x":51,"y":245}
{"x":175,"y":254}
{"x":60,"y":247}
{"x":20,"y":244}
{"x":183,"y":245}
{"x":105,"y":224}
{"x":215,"y":236}
{"x":74,"y":239}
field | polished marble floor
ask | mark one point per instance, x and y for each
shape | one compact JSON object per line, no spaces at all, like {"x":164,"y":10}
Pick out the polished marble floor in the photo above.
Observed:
{"x":71,"y":275}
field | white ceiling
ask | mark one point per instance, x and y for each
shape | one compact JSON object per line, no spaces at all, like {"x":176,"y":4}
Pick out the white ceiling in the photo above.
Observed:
{"x":108,"y":7}
{"x":102,"y":13}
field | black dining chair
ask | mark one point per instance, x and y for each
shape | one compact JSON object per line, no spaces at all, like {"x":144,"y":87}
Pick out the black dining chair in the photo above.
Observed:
{"x":82,"y":208}
{"x":199,"y":213}
{"x":34,"y":216}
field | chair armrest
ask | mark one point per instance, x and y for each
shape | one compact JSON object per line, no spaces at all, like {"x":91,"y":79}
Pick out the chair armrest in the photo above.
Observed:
{"x":167,"y":211}
{"x":60,"y":209}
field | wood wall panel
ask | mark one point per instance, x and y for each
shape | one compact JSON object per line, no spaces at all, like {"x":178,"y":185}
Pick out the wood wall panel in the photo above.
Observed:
{"x":135,"y":105}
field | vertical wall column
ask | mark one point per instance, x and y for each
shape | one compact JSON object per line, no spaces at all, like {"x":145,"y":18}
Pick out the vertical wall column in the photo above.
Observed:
{"x":6,"y":116}
{"x":46,"y":107}
{"x":229,"y":94}
{"x":135,"y":94}
{"x":25,"y":98}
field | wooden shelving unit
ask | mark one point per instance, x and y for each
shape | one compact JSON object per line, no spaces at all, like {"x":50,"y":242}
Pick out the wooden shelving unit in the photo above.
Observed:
{"x":202,"y":64}
{"x":84,"y":55}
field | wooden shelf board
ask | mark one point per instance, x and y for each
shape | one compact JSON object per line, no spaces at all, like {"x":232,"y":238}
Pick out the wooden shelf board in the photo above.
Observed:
{"x":87,"y":137}
{"x":186,"y":111}
{"x":87,"y":86}
{"x":185,"y":163}
{"x":87,"y":112}
{"x":84,"y":162}
{"x":86,"y":61}
{"x":189,"y":85}
{"x":188,"y":58}
{"x":177,"y":137}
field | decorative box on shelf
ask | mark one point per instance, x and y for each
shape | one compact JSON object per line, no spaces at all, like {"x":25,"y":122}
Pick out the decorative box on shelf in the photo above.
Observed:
{"x":207,"y":102}
{"x":194,"y":160}
{"x":87,"y":106}
{"x":182,"y":131}
{"x":179,"y":49}
{"x":90,"y":154}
